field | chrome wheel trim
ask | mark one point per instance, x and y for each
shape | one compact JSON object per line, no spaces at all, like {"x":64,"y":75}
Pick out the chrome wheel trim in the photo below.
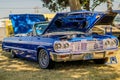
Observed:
{"x":43,"y":58}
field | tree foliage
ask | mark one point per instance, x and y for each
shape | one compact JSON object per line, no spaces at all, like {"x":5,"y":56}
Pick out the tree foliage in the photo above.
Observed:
{"x":59,"y":5}
{"x":55,"y":5}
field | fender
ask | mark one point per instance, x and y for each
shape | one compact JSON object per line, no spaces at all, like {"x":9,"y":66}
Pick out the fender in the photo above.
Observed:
{"x":43,"y":47}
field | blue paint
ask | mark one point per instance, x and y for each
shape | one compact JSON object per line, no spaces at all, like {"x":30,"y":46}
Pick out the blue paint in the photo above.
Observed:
{"x":75,"y":21}
{"x":23,"y":23}
{"x":68,"y":23}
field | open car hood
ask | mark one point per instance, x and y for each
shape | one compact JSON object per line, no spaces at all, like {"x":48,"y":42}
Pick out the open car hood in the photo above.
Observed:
{"x":23,"y":23}
{"x":83,"y":20}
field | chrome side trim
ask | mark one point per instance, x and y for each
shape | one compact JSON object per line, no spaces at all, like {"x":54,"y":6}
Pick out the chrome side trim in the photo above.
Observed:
{"x":28,"y":42}
{"x":22,"y":49}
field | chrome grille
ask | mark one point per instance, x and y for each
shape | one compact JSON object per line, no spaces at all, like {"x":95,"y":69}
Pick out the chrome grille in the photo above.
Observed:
{"x":86,"y":46}
{"x":100,"y":45}
{"x":76,"y":46}
{"x":91,"y":45}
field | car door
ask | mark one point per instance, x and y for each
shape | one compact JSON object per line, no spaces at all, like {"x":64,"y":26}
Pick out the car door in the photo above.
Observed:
{"x":25,"y":49}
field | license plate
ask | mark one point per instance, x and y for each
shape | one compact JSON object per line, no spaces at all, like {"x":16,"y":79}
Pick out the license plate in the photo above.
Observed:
{"x":88,"y":56}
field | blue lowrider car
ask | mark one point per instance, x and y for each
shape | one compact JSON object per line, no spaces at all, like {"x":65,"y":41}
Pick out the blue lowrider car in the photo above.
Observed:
{"x":67,"y":37}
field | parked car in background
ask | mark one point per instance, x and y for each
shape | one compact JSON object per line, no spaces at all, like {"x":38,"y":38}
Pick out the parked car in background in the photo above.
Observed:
{"x":100,"y":29}
{"x":113,"y":23}
{"x":117,"y":21}
{"x":68,"y":37}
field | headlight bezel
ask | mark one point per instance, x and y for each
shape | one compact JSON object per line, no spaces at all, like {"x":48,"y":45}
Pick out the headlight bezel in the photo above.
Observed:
{"x":110,"y":43}
{"x":65,"y":46}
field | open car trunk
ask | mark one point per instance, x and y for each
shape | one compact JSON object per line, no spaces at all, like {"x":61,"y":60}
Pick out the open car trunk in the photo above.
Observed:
{"x":23,"y":23}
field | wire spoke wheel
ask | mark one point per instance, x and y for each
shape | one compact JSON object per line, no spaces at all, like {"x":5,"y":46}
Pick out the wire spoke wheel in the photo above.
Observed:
{"x":44,"y":59}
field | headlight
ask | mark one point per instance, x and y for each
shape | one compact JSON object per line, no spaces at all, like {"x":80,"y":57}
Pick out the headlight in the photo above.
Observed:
{"x":57,"y":46}
{"x":110,"y":43}
{"x":62,"y":46}
{"x":107,"y":44}
{"x":66,"y":45}
{"x":117,"y":42}
{"x":113,"y":43}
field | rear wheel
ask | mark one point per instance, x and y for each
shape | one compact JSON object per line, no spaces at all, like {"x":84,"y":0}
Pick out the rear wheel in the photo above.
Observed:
{"x":100,"y":61}
{"x":44,"y":60}
{"x":13,"y":54}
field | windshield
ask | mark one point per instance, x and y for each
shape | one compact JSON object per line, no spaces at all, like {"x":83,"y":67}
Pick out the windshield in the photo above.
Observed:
{"x":40,"y":27}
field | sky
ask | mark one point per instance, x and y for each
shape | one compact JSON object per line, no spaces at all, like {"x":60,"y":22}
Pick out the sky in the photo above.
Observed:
{"x":28,"y":6}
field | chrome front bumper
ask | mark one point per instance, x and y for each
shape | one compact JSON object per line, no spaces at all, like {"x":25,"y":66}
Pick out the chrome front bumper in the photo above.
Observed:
{"x":58,"y":57}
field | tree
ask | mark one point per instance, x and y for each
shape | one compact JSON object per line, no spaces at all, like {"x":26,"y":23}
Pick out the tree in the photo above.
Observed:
{"x":58,"y":5}
{"x":55,"y":5}
{"x":109,"y":5}
{"x":75,"y":5}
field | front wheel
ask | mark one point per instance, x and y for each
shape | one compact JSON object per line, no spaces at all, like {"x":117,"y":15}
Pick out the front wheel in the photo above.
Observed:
{"x":100,"y":61}
{"x":44,"y":60}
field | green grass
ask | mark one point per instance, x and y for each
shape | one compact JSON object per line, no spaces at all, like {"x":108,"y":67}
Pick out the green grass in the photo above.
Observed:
{"x":20,"y":69}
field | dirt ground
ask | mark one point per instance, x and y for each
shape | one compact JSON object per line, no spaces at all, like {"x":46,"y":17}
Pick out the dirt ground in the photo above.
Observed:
{"x":21,"y":69}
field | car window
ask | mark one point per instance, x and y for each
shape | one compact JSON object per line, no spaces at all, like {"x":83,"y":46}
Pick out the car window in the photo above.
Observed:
{"x":40,"y":28}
